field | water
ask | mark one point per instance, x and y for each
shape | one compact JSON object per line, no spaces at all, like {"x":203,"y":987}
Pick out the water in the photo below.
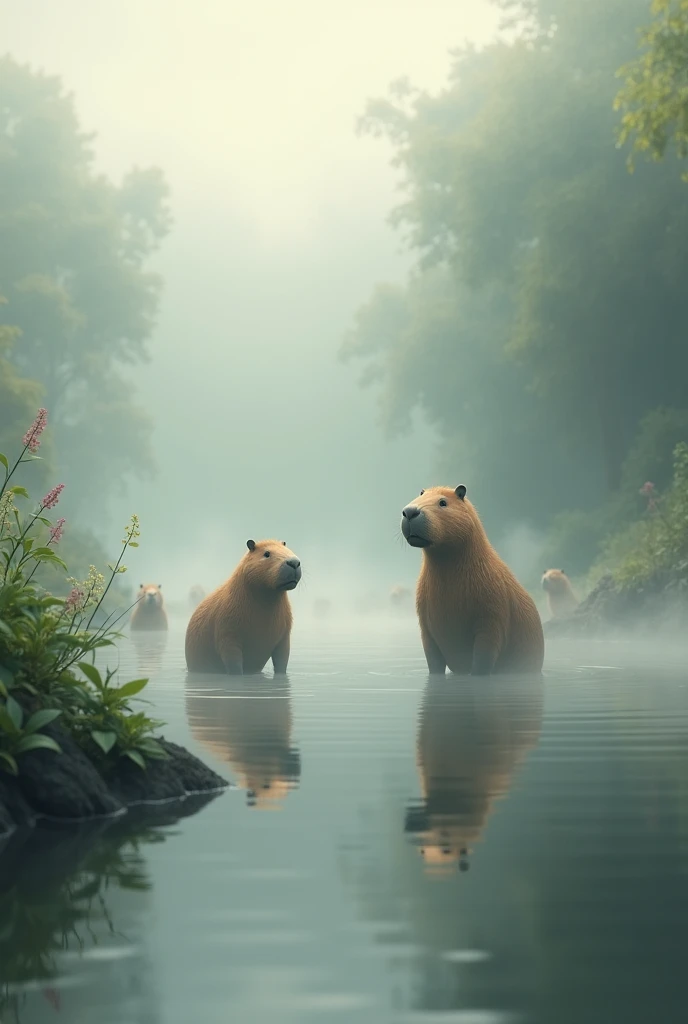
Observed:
{"x":390,"y":851}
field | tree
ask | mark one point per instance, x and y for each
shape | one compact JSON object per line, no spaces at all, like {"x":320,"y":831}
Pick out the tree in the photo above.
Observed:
{"x":73,"y":264}
{"x":654,"y":99}
{"x":565,"y":305}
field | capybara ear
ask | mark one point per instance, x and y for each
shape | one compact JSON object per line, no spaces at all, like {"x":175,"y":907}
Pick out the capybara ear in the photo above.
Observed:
{"x":285,"y":543}
{"x":460,"y":492}
{"x":159,"y":586}
{"x":251,"y":544}
{"x":140,"y":586}
{"x":562,"y":572}
{"x":422,"y":490}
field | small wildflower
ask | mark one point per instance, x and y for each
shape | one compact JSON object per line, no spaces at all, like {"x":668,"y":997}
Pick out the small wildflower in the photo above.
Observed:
{"x":56,"y":532}
{"x":52,"y":497}
{"x":647,"y":490}
{"x":7,"y":508}
{"x":95,"y":583}
{"x":75,"y":599}
{"x":32,"y":437}
{"x":132,"y":531}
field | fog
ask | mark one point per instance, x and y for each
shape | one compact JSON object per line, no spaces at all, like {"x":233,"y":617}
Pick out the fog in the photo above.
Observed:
{"x":279,"y":233}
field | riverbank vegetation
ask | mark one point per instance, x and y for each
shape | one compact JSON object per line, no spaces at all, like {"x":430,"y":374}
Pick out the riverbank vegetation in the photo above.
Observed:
{"x":542,"y":329}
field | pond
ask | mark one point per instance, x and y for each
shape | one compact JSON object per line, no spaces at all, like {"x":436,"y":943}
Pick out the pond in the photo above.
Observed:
{"x":391,"y":850}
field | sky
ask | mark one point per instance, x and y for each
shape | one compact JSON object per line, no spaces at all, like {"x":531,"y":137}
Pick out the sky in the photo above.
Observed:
{"x":280,"y":234}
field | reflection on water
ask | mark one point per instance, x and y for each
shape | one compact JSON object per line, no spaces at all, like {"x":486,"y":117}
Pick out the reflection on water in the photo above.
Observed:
{"x":568,"y":800}
{"x":246,"y":722}
{"x":471,"y":736}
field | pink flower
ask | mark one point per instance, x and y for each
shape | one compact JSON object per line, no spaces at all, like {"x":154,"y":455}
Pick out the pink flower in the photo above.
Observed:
{"x":647,"y":490}
{"x":74,"y":599}
{"x":52,"y":497}
{"x":31,"y":439}
{"x":56,"y":532}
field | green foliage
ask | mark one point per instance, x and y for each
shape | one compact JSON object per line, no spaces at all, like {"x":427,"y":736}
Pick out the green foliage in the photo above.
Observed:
{"x":658,"y":542}
{"x":80,"y":297}
{"x":654,"y":99}
{"x":542,"y":329}
{"x":45,"y":640}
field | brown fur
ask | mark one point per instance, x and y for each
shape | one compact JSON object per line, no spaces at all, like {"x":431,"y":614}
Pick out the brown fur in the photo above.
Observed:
{"x":560,"y":595}
{"x":249,"y":728}
{"x":149,"y":612}
{"x":247,"y":620}
{"x":470,"y":743}
{"x":474,"y":614}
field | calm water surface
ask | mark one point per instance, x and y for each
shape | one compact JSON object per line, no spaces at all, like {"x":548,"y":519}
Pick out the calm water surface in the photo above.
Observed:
{"x":392,"y":850}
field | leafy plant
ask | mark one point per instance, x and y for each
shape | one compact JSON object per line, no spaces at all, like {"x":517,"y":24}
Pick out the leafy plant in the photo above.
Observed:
{"x":18,"y":737}
{"x":45,"y":641}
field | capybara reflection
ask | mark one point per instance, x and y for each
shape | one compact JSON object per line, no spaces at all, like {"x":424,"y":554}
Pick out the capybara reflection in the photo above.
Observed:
{"x":471,"y":739}
{"x":474,"y":614}
{"x":560,"y":596}
{"x":149,"y":612}
{"x":247,"y":620}
{"x":248,"y":727}
{"x":196,"y":595}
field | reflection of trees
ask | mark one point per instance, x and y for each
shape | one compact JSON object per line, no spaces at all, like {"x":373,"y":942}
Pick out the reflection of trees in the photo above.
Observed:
{"x":578,"y":888}
{"x":247,"y":723}
{"x":57,"y":893}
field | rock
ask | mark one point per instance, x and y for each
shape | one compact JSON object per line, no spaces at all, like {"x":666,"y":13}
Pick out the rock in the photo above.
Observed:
{"x":181,"y":775}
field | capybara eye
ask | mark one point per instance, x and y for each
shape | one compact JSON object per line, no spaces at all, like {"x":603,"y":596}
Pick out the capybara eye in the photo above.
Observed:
{"x":266,"y":555}
{"x":443,"y":503}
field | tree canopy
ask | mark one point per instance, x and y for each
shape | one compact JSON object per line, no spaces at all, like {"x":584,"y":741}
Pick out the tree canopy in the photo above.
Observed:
{"x":81,"y":299}
{"x":546,"y":316}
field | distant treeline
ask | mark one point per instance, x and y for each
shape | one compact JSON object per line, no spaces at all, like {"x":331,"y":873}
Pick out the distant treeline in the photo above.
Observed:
{"x":543,"y":330}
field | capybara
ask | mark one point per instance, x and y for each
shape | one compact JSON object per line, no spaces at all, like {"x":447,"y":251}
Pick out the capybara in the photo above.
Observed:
{"x":149,"y":611}
{"x":560,"y":596}
{"x":470,"y":742}
{"x":474,"y":614}
{"x":248,"y":727}
{"x":247,"y":620}
{"x":196,"y":595}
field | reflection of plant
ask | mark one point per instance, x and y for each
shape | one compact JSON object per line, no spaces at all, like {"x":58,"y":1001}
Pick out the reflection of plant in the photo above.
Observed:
{"x":43,"y":639}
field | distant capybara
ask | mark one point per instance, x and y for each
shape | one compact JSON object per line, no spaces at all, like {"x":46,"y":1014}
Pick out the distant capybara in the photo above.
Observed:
{"x":248,"y":727}
{"x":470,"y":742}
{"x":474,"y":614}
{"x":196,"y":595}
{"x":400,"y":597}
{"x":560,"y":596}
{"x":247,"y":620}
{"x":149,"y":612}
{"x":322,"y":608}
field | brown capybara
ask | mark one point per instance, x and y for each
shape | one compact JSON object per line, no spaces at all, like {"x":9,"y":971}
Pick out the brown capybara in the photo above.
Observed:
{"x":248,"y":727}
{"x":474,"y":614}
{"x":247,"y":620}
{"x":470,"y":742}
{"x":560,"y":596}
{"x":196,"y":595}
{"x":149,"y":612}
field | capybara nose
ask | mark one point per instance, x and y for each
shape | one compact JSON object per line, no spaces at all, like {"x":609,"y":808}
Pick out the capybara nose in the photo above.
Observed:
{"x":293,"y":562}
{"x":410,"y":512}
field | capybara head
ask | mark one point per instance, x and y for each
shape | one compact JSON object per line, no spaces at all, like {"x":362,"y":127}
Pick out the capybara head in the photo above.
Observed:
{"x":150,"y":596}
{"x":439,"y":517}
{"x":555,"y":581}
{"x":270,"y":565}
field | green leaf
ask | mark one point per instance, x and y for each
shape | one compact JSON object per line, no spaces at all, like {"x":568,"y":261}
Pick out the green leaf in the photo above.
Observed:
{"x":48,"y":555}
{"x":91,"y":673}
{"x":15,"y":712}
{"x":37,"y":742}
{"x":4,"y":462}
{"x":9,"y":762}
{"x":4,"y":628}
{"x":134,"y":756}
{"x":133,"y":543}
{"x":132,"y":688}
{"x":20,"y":491}
{"x":105,"y":740}
{"x":40,"y":719}
{"x":3,"y":689}
{"x":151,"y":748}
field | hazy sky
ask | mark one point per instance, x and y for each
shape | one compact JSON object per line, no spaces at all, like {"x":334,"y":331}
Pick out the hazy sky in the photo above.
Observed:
{"x":279,"y":235}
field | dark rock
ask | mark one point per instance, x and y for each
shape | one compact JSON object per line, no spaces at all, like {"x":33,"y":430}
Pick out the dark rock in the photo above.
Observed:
{"x":175,"y":778}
